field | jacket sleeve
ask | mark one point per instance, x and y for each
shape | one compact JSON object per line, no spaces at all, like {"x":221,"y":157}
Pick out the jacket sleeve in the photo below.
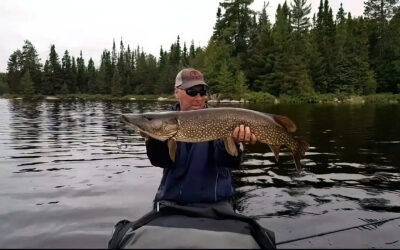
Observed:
{"x":158,"y":154}
{"x":223,"y":158}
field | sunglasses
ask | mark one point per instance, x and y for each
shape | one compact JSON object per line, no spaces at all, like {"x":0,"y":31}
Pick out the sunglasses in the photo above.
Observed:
{"x":193,"y":92}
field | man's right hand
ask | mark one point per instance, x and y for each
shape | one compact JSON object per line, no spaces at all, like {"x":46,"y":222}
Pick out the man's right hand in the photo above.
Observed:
{"x":243,"y":134}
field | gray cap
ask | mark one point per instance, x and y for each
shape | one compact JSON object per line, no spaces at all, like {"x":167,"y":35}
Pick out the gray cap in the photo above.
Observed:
{"x":188,"y":78}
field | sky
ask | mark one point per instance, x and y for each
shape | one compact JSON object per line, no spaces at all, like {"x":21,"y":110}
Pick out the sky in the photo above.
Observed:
{"x":92,"y":25}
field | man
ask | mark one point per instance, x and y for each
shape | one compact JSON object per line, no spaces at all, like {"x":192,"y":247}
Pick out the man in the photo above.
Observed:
{"x":192,"y":205}
{"x":201,"y":172}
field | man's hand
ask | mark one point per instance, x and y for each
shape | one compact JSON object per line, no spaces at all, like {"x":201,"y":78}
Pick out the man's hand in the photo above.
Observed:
{"x":243,"y":134}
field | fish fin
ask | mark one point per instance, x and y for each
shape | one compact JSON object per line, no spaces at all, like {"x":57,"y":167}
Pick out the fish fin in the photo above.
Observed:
{"x":230,"y":146}
{"x":275,"y":149}
{"x":172,"y":148}
{"x":302,"y":147}
{"x":285,"y":122}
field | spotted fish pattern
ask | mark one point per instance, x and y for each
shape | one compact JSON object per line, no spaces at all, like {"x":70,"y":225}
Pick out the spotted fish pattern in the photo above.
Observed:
{"x":219,"y":123}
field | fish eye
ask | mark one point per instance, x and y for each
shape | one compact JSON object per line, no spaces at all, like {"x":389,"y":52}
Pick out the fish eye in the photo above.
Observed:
{"x":149,"y":118}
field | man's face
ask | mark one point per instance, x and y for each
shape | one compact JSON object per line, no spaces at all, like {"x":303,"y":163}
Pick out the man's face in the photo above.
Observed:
{"x":188,"y":102}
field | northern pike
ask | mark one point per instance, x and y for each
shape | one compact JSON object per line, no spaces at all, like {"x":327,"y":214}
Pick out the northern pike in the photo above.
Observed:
{"x":218,"y":123}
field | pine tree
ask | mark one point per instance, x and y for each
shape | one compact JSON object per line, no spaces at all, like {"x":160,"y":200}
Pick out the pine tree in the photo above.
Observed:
{"x":116,"y":88}
{"x":81,"y":76}
{"x":27,"y":84}
{"x":323,"y":74}
{"x":379,"y":12}
{"x":93,"y":88}
{"x":14,"y":72}
{"x":185,"y":57}
{"x":341,"y":15}
{"x":129,"y":69}
{"x":123,"y":67}
{"x":113,"y":56}
{"x":300,"y":11}
{"x":31,"y":62}
{"x":233,"y":26}
{"x":105,"y":73}
{"x":352,"y":68}
{"x":66,"y":67}
{"x":220,"y":69}
{"x":192,"y":51}
{"x":391,"y":74}
{"x":52,"y":75}
{"x":224,"y":80}
{"x":74,"y":74}
{"x":260,"y":61}
{"x":3,"y":84}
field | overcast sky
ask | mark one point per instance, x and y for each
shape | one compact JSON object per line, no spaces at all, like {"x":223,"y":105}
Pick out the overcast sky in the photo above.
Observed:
{"x":91,"y":25}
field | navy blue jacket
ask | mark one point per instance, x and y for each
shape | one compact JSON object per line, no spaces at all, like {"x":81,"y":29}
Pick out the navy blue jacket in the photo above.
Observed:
{"x":201,"y":171}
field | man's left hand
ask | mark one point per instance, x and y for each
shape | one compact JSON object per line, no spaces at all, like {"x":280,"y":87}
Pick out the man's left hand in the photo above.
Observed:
{"x":243,"y":134}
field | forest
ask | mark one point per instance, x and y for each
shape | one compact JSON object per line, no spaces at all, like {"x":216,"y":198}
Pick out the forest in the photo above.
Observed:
{"x":301,"y":54}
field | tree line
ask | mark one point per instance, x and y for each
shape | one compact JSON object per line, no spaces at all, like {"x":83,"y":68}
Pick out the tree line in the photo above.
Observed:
{"x":298,"y":55}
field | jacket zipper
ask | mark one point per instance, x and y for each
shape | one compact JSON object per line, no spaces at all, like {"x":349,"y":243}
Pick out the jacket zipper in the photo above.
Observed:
{"x":216,"y":184}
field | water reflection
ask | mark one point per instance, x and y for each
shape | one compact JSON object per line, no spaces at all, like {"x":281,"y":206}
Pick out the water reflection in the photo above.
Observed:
{"x":73,"y":158}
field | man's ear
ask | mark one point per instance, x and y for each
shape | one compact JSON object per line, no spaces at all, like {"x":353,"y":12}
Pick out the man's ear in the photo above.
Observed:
{"x":176,"y":93}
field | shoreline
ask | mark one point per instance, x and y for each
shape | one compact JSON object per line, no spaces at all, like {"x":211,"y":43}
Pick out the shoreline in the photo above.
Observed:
{"x":384,"y":98}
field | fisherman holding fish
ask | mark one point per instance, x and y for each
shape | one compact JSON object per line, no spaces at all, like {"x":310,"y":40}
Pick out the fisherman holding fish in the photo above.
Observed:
{"x":200,"y":172}
{"x":197,"y":147}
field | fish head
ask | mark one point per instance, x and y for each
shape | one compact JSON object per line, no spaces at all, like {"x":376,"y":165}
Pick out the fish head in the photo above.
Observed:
{"x":159,"y":126}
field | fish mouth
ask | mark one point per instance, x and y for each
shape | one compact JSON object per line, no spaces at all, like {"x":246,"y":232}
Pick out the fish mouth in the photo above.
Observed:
{"x":125,"y":120}
{"x":130,"y":123}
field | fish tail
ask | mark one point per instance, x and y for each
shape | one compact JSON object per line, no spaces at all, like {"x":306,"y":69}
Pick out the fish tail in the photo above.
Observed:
{"x":299,"y":152}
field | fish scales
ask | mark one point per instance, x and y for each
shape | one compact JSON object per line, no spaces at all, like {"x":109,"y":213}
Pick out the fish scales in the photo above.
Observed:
{"x":206,"y":126}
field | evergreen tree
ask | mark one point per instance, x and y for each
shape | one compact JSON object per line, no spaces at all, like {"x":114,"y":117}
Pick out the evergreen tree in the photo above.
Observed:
{"x":391,"y":68}
{"x":105,"y":73}
{"x":129,"y":69}
{"x":300,"y":11}
{"x":324,"y":34}
{"x":224,"y":79}
{"x":31,"y":62}
{"x":74,"y":74}
{"x":81,"y":76}
{"x":114,"y":56}
{"x":221,"y":69}
{"x":289,"y":73}
{"x":93,"y":88}
{"x":341,"y":15}
{"x":52,"y":75}
{"x":260,"y":61}
{"x":352,"y":68}
{"x":66,"y":67}
{"x":123,"y":68}
{"x":379,"y":12}
{"x":192,"y":51}
{"x":116,"y":88}
{"x":14,"y":72}
{"x":27,"y":84}
{"x":163,"y":84}
{"x":3,"y":84}
{"x":185,"y":57}
{"x":234,"y":26}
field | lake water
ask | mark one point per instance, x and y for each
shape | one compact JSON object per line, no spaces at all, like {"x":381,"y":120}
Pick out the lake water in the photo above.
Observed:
{"x":69,"y":171}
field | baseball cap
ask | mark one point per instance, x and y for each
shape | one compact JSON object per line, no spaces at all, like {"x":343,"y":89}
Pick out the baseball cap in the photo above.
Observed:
{"x":188,"y":78}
